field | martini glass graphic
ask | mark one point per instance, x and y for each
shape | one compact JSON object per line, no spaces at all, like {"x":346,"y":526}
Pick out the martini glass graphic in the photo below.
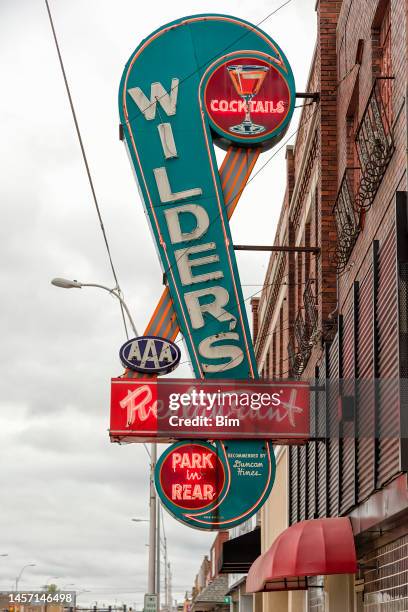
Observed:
{"x":247,"y":80}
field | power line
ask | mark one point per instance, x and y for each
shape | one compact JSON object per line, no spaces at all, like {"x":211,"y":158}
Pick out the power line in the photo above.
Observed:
{"x":156,"y":205}
{"x":264,"y":286}
{"x":251,"y":179}
{"x":85,"y":159}
{"x":252,"y":29}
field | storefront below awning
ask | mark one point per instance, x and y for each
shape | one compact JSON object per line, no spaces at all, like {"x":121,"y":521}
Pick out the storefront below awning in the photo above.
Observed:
{"x":309,"y":548}
{"x":238,"y":554}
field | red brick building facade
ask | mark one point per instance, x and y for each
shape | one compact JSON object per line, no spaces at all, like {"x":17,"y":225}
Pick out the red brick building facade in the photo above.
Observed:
{"x":339,"y":316}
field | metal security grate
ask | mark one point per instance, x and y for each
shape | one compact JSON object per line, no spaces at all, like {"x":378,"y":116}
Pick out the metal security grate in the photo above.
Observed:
{"x":310,"y":305}
{"x":296,"y":361}
{"x":403,"y":318}
{"x":375,"y":145}
{"x":347,"y":221}
{"x":386,"y":578}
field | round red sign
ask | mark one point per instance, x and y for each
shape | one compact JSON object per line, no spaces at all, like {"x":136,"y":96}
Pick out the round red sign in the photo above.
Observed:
{"x":192,"y":476}
{"x":247,"y":98}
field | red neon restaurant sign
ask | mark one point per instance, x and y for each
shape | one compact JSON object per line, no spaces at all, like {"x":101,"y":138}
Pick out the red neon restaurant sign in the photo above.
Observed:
{"x":169,"y":409}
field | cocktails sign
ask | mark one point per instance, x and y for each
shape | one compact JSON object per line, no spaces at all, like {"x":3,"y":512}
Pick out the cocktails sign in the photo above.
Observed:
{"x":215,"y":486}
{"x":250,"y":89}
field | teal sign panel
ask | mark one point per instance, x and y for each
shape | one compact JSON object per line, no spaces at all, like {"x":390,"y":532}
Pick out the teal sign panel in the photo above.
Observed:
{"x":215,"y":486}
{"x":199,"y":78}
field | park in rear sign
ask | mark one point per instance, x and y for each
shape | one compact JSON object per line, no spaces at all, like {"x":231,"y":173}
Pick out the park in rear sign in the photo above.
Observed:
{"x":150,"y":355}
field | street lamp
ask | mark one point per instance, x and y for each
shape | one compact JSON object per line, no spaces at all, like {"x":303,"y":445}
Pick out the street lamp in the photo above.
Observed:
{"x":18,"y":578}
{"x":154,"y":555}
{"x":65,"y":283}
{"x":47,"y":584}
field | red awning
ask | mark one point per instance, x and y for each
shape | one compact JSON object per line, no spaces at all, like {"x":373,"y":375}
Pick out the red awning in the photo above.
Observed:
{"x":309,"y":548}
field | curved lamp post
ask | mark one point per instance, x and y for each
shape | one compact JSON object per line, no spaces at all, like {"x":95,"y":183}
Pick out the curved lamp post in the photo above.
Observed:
{"x":18,"y":578}
{"x":47,"y":584}
{"x":154,"y":548}
{"x":65,"y":283}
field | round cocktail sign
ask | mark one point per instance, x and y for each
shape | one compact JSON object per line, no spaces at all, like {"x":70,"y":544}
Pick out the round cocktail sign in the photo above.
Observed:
{"x":249,"y":99}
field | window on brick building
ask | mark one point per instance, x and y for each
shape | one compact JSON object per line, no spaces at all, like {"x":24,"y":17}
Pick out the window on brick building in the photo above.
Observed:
{"x":382,"y":34}
{"x":385,"y":62}
{"x":274,"y":361}
{"x":353,"y":121}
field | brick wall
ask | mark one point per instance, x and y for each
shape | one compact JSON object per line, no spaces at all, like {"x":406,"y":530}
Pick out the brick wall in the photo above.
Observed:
{"x":348,"y":59}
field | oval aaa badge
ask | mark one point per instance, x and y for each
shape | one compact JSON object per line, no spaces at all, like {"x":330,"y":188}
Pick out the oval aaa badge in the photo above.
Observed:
{"x":150,"y":355}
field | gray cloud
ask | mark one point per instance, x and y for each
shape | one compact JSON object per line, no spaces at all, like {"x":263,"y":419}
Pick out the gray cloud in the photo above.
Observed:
{"x":67,"y":493}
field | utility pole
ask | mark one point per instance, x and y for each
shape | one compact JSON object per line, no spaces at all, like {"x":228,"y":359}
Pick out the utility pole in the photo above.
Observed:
{"x":169,"y":587}
{"x":151,"y":587}
{"x":158,"y":553}
{"x":166,"y":578}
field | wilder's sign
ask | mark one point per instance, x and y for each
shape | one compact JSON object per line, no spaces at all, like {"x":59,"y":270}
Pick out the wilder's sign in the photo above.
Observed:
{"x":171,"y":409}
{"x":202,"y":80}
{"x":215,"y":486}
{"x":169,"y":135}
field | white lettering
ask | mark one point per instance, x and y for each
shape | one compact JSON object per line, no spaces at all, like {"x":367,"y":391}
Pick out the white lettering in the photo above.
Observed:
{"x":134,"y":352}
{"x":140,"y":407}
{"x":190,"y":492}
{"x":221,"y":351}
{"x":165,"y":193}
{"x":185,"y":264}
{"x":150,"y":354}
{"x":157,"y":94}
{"x":167,"y":140}
{"x":165,"y":354}
{"x":174,"y":227}
{"x":214,"y":308}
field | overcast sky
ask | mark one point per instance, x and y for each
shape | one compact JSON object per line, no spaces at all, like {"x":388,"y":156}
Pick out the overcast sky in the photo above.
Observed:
{"x":67,"y":494}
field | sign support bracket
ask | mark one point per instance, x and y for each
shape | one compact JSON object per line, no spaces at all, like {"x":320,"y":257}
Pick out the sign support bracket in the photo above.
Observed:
{"x":277,"y":249}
